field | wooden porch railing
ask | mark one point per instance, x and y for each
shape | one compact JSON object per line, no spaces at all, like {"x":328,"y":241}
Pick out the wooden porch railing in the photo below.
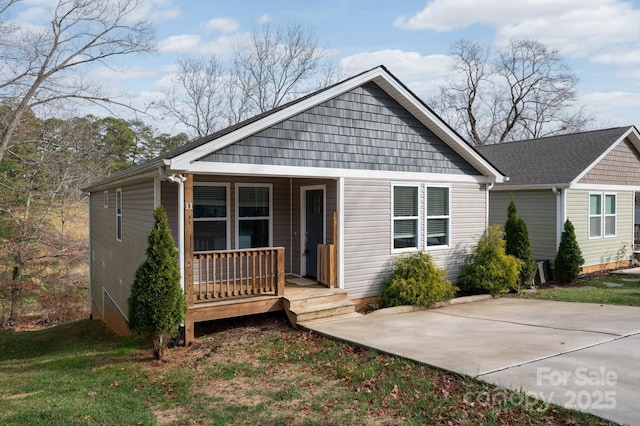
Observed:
{"x":224,"y":275}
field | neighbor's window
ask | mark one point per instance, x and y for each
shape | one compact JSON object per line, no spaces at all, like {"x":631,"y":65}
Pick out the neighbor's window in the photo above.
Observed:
{"x":254,"y":216}
{"x":119,"y":214}
{"x":438,"y":216}
{"x":210,"y":217}
{"x":405,"y":217}
{"x":106,"y":199}
{"x":602,"y":215}
{"x":610,"y":215}
{"x":595,"y":215}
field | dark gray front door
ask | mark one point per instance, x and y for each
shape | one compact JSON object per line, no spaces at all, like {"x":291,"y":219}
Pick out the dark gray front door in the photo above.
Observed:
{"x":314,"y":229}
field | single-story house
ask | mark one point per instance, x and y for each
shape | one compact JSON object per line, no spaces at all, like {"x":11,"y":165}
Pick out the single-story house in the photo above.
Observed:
{"x":330,"y":187}
{"x":591,"y":178}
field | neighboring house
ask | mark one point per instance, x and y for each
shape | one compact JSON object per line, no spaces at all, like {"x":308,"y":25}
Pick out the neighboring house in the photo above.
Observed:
{"x":362,"y":171}
{"x":590,"y":178}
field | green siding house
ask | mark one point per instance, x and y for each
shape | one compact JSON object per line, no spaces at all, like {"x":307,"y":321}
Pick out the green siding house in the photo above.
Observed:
{"x":591,"y":178}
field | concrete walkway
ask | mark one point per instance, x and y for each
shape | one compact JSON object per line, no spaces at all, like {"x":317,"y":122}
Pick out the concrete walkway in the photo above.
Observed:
{"x":579,"y":355}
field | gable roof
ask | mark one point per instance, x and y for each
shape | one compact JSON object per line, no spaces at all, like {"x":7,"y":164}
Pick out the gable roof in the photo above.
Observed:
{"x":180,"y":159}
{"x":559,"y":161}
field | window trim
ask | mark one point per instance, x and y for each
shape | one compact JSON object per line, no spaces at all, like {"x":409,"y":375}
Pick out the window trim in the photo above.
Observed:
{"x":218,"y":219}
{"x":394,"y":218}
{"x":237,"y":211}
{"x":105,"y":201}
{"x":603,"y":215}
{"x":427,"y":217}
{"x":119,"y":219}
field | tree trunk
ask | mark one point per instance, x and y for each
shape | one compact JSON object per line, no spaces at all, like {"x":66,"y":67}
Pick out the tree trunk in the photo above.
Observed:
{"x":15,"y":296}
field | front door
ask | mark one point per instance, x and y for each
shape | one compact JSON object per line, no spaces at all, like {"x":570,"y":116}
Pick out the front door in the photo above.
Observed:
{"x":314,"y":212}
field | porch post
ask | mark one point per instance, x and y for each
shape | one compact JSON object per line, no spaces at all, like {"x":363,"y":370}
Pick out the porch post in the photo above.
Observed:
{"x":280,"y":277}
{"x":188,"y":254}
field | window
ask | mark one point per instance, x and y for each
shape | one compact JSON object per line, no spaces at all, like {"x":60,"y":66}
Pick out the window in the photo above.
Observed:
{"x":602,"y":215}
{"x":609,"y":215}
{"x":405,"y":217}
{"x":254,"y":216}
{"x":210,"y":217}
{"x":106,"y":199}
{"x":119,"y":214}
{"x":437,"y":216}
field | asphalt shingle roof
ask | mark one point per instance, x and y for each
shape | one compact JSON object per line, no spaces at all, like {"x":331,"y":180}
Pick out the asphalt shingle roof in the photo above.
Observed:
{"x":551,"y":160}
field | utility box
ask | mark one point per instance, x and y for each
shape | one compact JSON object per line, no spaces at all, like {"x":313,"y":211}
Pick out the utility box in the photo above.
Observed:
{"x":543,"y":272}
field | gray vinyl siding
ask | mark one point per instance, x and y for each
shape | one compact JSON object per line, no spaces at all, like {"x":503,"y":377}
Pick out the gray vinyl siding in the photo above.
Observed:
{"x":619,"y":167}
{"x":169,"y":200}
{"x":598,"y":251}
{"x":367,"y":232}
{"x":286,"y":210}
{"x":114,"y":262}
{"x":539,"y":211}
{"x":362,"y":129}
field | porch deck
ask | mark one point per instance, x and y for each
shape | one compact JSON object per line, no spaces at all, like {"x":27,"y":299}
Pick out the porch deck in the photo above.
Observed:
{"x":303,"y":299}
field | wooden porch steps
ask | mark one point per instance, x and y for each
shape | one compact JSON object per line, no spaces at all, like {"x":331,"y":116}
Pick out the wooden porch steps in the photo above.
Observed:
{"x":313,"y":304}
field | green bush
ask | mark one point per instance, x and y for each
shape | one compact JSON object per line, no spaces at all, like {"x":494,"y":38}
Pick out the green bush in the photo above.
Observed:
{"x":417,"y":281}
{"x":569,"y":258}
{"x":157,"y":304}
{"x":488,"y":268}
{"x":516,"y":237}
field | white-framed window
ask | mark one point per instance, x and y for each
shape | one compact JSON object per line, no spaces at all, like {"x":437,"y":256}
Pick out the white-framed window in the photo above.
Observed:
{"x":405,"y":217}
{"x":610,"y":212}
{"x":119,"y":214}
{"x":210,"y":216}
{"x":254,"y":212}
{"x":437,"y":216}
{"x":602,"y":215}
{"x":105,"y":201}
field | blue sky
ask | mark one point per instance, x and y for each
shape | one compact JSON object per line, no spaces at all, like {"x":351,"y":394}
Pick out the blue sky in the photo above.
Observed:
{"x":600,"y":39}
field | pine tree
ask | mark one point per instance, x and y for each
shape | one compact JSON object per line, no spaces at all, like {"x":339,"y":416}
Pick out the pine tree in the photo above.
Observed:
{"x":569,"y":258}
{"x":516,"y":237}
{"x":157,"y":304}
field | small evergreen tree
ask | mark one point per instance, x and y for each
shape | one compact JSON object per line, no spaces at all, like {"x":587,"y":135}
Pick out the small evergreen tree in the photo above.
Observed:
{"x":157,"y":304}
{"x":516,"y":237}
{"x":569,"y":258}
{"x":488,"y":268}
{"x":416,"y":280}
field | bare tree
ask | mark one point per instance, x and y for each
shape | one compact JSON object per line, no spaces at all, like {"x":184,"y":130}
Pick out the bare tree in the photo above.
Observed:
{"x":524,"y":91}
{"x":41,"y":65}
{"x":197,"y":96}
{"x":272,"y":68}
{"x":278,"y":66}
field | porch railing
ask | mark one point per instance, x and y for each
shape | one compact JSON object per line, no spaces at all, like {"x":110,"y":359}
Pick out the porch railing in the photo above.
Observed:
{"x":224,"y":275}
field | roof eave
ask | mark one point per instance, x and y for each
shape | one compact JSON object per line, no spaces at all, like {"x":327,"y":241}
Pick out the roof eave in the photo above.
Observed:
{"x":121,"y":179}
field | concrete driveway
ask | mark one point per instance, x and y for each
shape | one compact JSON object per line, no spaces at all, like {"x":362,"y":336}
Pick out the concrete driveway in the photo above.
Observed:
{"x":582,"y":356}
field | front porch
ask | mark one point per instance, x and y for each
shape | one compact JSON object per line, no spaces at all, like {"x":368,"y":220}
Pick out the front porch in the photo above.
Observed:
{"x":233,"y":283}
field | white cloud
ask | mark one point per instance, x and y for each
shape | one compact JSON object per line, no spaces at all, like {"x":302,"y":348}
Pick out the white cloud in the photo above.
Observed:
{"x":110,"y":75}
{"x":617,"y":108}
{"x":264,"y":19}
{"x":179,"y":43}
{"x":407,"y":66}
{"x":156,"y":10}
{"x":579,"y":28}
{"x":225,"y":25}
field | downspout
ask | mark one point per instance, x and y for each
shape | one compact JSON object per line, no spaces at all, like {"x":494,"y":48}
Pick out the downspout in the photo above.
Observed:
{"x":179,"y":180}
{"x":486,"y":219}
{"x":559,"y":214}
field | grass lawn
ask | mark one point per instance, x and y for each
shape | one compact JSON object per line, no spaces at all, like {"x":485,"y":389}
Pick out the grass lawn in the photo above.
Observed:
{"x":247,"y":371}
{"x":593,"y":290}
